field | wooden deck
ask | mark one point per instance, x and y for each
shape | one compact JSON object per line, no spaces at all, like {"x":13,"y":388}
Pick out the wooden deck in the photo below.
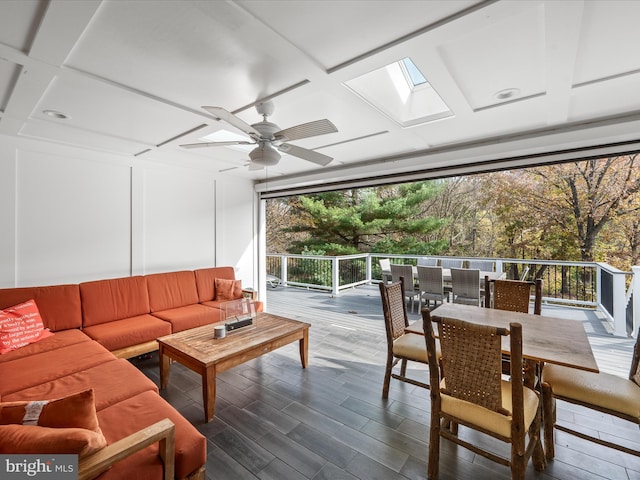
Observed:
{"x":275,"y":420}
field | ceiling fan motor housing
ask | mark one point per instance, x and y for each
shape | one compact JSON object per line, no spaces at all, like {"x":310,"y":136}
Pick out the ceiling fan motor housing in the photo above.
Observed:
{"x":264,"y":154}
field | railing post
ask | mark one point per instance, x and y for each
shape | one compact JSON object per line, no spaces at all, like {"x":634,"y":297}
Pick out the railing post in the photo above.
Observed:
{"x":335,"y":276}
{"x":283,"y":267}
{"x":369,"y":271}
{"x":619,"y":306}
{"x":635,"y":282}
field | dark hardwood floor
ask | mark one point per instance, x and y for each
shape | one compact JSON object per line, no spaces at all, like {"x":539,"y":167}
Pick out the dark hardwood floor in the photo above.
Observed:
{"x":275,"y":420}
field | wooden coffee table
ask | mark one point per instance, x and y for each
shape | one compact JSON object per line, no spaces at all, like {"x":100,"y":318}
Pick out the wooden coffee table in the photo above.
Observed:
{"x":197,"y":350}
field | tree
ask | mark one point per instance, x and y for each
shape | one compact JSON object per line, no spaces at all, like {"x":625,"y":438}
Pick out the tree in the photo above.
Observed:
{"x":389,"y":219}
{"x":581,"y":198}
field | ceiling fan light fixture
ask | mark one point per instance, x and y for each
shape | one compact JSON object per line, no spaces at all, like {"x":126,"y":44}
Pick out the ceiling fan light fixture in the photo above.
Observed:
{"x":264,"y":155}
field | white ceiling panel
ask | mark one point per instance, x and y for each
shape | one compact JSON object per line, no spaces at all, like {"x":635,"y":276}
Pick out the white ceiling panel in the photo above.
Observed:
{"x":336,"y":31}
{"x":488,"y":60}
{"x":101,"y":107}
{"x":609,"y":41}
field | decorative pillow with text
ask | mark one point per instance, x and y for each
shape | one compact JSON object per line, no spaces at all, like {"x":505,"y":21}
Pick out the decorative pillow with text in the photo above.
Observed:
{"x":21,"y":325}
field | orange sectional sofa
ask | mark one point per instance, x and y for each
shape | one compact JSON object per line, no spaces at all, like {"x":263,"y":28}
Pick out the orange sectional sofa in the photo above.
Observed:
{"x":95,"y":325}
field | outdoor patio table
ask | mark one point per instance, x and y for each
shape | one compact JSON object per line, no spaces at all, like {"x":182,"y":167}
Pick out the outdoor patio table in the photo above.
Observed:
{"x":544,"y":339}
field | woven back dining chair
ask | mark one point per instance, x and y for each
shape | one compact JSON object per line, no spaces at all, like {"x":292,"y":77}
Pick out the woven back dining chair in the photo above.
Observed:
{"x":401,"y":346}
{"x":474,"y":395}
{"x":465,"y":286}
{"x":431,"y":285}
{"x":406,"y":272}
{"x":513,"y":295}
{"x":602,"y":392}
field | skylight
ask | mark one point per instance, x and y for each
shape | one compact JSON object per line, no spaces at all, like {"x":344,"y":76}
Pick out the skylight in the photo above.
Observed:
{"x":402,"y":92}
{"x":415,"y":76}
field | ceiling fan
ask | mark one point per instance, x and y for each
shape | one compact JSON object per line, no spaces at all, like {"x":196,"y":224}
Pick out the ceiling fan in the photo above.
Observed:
{"x":269,"y":138}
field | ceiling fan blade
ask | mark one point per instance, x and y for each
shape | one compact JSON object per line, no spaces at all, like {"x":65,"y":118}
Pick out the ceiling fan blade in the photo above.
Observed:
{"x":222,"y":114}
{"x":215,"y":144}
{"x":304,"y":130}
{"x":305,"y":154}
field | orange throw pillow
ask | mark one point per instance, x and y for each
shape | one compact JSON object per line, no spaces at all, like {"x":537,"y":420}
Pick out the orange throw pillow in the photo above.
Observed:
{"x":21,"y":325}
{"x":30,"y":439}
{"x":74,"y":411}
{"x":228,"y":289}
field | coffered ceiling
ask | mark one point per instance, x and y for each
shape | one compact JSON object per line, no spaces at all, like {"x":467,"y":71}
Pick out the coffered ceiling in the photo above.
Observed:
{"x":521,"y":78}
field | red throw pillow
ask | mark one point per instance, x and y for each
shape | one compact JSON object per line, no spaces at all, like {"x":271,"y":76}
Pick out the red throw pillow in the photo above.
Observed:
{"x":21,"y":325}
{"x":30,"y":439}
{"x":74,"y":411}
{"x":228,"y":289}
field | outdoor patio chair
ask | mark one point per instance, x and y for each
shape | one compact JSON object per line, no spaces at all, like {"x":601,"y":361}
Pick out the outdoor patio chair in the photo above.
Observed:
{"x":473,"y":394}
{"x":450,"y":263}
{"x":401,"y":346}
{"x":603,"y":392}
{"x":513,"y":295}
{"x":483,"y":265}
{"x":465,"y":286}
{"x":427,"y":262}
{"x":431,"y":286}
{"x":385,"y":266}
{"x":406,"y":272}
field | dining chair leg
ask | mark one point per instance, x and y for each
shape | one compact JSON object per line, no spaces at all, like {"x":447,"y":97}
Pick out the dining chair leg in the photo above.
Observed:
{"x":434,"y":448}
{"x":549,"y":419}
{"x":387,"y":377}
{"x":403,"y":367}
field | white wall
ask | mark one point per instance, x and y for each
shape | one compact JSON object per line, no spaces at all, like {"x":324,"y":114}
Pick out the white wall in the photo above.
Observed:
{"x":70,"y":215}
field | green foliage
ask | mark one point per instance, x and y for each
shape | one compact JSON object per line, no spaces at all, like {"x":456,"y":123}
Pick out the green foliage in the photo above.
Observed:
{"x":366,"y":220}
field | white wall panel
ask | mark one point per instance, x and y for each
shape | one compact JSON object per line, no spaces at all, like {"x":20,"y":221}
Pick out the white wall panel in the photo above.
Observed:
{"x":73,"y":219}
{"x":237,"y":229}
{"x":179,"y":220}
{"x":7,"y":215}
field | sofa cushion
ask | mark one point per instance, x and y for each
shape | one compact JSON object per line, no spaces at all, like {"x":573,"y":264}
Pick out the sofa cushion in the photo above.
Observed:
{"x":59,"y":305}
{"x":141,"y":411}
{"x":190,"y":316}
{"x":21,"y":325}
{"x":227,"y":290}
{"x":32,"y":439}
{"x":127,"y":332}
{"x":51,"y":365}
{"x":205,"y":281}
{"x":107,"y":300}
{"x":106,"y":381}
{"x":60,"y":339}
{"x":171,"y":290}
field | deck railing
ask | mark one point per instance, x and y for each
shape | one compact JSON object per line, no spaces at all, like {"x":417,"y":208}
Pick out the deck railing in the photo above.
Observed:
{"x":584,"y":284}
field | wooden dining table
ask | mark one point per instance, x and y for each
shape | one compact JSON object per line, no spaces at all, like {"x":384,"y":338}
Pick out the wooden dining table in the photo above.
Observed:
{"x":545,"y":339}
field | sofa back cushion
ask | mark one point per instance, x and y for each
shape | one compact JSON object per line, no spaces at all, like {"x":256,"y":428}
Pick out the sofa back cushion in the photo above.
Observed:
{"x":206,"y":278}
{"x":171,"y":290}
{"x":59,"y":305}
{"x":108,"y":300}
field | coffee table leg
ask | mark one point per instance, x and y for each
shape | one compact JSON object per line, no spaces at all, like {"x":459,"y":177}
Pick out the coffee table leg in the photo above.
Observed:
{"x":304,"y":348}
{"x":209,"y":392}
{"x":165,"y":365}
